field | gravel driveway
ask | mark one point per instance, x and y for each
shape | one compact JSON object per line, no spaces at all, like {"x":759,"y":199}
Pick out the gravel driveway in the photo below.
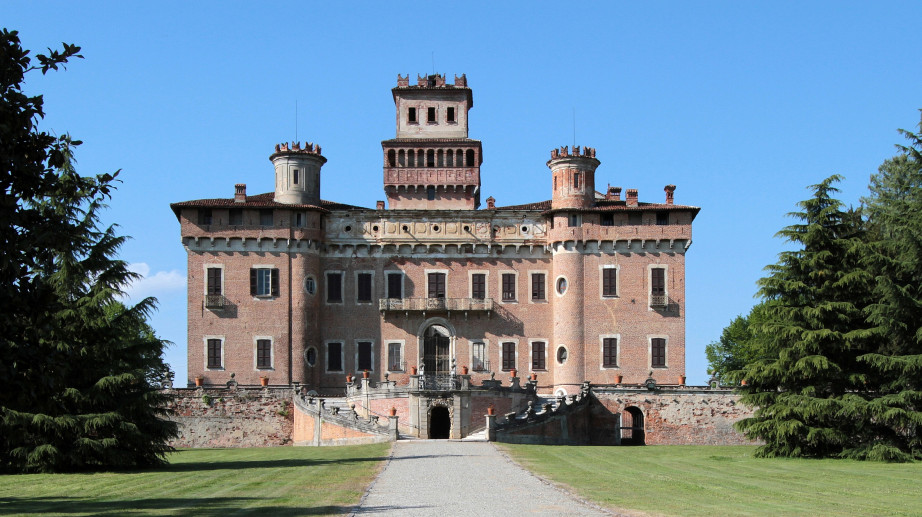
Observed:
{"x":441,"y":477}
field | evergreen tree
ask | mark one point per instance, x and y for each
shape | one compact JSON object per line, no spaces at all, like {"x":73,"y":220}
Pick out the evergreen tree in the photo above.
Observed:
{"x":894,"y":256}
{"x":806,"y":385}
{"x":736,"y":347}
{"x":80,"y":371}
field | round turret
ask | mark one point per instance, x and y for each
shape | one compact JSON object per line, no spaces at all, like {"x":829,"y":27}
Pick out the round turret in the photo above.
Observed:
{"x":573,"y":177}
{"x":297,"y":173}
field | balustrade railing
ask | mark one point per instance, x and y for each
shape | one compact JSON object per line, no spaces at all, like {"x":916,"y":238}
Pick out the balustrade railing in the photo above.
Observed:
{"x":435,"y":304}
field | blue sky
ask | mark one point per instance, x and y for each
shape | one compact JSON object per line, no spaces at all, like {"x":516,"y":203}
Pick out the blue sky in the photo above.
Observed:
{"x":740,"y":104}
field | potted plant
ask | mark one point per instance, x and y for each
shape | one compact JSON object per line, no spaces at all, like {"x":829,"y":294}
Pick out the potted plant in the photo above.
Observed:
{"x":534,"y":376}
{"x":393,"y":411}
{"x":263,"y":381}
{"x":364,"y":374}
{"x":491,"y":410}
{"x":619,"y":378}
{"x":413,"y":370}
{"x":464,"y":370}
{"x":681,"y":380}
{"x":199,"y":380}
{"x":514,"y":372}
{"x":349,"y":379}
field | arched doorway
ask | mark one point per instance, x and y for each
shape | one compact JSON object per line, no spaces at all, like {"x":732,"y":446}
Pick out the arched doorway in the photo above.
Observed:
{"x":439,"y":423}
{"x":436,"y":350}
{"x":632,"y":427}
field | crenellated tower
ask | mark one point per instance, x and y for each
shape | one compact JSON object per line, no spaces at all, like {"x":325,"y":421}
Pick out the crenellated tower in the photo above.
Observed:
{"x":432,"y":164}
{"x":297,"y":173}
{"x":573,"y":176}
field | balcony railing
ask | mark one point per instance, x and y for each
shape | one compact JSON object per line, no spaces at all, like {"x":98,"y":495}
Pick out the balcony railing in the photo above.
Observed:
{"x":481,"y":365}
{"x":659,"y":300}
{"x":215,"y":301}
{"x":435,"y":304}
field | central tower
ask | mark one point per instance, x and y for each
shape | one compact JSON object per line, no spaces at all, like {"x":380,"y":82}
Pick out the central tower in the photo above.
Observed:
{"x":432,"y":164}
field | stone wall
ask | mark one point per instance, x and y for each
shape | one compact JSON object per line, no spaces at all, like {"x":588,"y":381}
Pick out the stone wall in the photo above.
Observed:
{"x":226,"y":417}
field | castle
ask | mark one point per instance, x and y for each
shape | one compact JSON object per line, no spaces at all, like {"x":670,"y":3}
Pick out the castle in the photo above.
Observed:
{"x":288,"y":289}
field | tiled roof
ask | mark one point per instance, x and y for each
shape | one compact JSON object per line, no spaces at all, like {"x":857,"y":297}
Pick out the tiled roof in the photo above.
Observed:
{"x":601,"y":205}
{"x":540,"y":205}
{"x":266,"y":200}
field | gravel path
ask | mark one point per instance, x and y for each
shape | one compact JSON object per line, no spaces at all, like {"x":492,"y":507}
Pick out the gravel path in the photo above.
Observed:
{"x":443,"y":478}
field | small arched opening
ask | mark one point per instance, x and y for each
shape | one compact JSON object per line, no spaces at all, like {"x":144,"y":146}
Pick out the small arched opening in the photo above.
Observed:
{"x":391,"y":158}
{"x":632,"y":427}
{"x":470,"y":158}
{"x":439,"y":423}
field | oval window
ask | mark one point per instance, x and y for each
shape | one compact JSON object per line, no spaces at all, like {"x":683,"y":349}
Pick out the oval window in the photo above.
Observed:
{"x":311,"y":356}
{"x":310,"y":285}
{"x":561,"y":355}
{"x":561,"y":285}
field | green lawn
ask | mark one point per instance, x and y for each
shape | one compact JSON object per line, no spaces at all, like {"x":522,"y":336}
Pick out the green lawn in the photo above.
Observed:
{"x":712,"y":480}
{"x":208,"y":482}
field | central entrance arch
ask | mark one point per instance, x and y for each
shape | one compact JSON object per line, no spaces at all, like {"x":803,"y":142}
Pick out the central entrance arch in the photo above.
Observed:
{"x":632,"y":432}
{"x":439,"y":423}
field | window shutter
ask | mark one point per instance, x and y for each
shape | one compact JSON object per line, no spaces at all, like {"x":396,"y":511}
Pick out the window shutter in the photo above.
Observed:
{"x":275,"y":282}
{"x":252,"y":282}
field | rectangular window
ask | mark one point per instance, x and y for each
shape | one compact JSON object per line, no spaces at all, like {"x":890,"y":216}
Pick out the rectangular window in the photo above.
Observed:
{"x":610,"y":352}
{"x":235,"y":217}
{"x":662,"y":218}
{"x":508,"y":356}
{"x":264,"y":282}
{"x":214,"y":281}
{"x":334,"y":287}
{"x":395,"y":285}
{"x":334,"y":357}
{"x":508,"y":287}
{"x":607,"y":220}
{"x":299,"y":220}
{"x":430,"y":193}
{"x":537,"y":287}
{"x":658,"y":352}
{"x":265,"y":217}
{"x":214,"y":353}
{"x":575,"y":180}
{"x":393,"y":357}
{"x":411,"y":115}
{"x":537,"y":356}
{"x":204,"y":216}
{"x":609,"y":282}
{"x":263,"y":354}
{"x":430,"y":116}
{"x":478,"y":286}
{"x":294,"y":176}
{"x":451,"y":114}
{"x":479,"y":357}
{"x":363,"y":288}
{"x":436,"y":285}
{"x":635,"y":218}
{"x":364,"y":360}
{"x":575,"y":221}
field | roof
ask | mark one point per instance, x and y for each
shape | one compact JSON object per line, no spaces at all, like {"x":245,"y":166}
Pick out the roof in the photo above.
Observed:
{"x":266,"y":200}
{"x":601,"y":205}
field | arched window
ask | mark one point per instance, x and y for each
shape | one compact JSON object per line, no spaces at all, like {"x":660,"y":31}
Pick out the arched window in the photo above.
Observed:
{"x":411,"y":158}
{"x":470,"y":158}
{"x":450,"y":158}
{"x":430,"y":158}
{"x":441,"y":158}
{"x":391,"y":158}
{"x":401,"y":158}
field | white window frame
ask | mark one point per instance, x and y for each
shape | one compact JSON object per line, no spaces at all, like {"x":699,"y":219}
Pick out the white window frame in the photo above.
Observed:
{"x":556,"y":281}
{"x":355,"y":277}
{"x":401,"y":359}
{"x":270,"y":267}
{"x":531,"y":350}
{"x":617,"y":268}
{"x":326,"y":355}
{"x":500,"y":347}
{"x":326,"y":287}
{"x":426,"y":282}
{"x":650,"y":338}
{"x":486,"y":354}
{"x":256,"y":354}
{"x":486,"y":282}
{"x":558,"y":347}
{"x":310,"y":278}
{"x":650,"y":268}
{"x":213,"y":265}
{"x":356,"y":342}
{"x":205,"y":352}
{"x":602,"y":338}
{"x":530,"y":286}
{"x":500,"y":285}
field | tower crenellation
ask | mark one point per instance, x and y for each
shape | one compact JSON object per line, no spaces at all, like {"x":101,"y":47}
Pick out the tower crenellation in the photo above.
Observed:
{"x":297,"y":173}
{"x":573,"y":176}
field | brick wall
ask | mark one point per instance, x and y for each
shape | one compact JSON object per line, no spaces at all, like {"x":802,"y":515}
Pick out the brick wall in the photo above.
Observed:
{"x":232,"y":418}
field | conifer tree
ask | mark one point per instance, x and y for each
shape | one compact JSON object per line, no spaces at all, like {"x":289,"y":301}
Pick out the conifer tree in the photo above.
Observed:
{"x":807,"y":379}
{"x":80,"y":371}
{"x":894,"y":256}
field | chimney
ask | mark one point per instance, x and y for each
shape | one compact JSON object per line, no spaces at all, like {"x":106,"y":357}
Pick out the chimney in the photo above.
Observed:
{"x":240,"y":193}
{"x":614,"y":193}
{"x":670,"y":190}
{"x":631,"y":197}
{"x":491,"y":203}
{"x":380,"y":205}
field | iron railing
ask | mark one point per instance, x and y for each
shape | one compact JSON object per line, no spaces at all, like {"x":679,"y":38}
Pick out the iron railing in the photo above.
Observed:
{"x":435,"y":304}
{"x":439,"y":382}
{"x":481,"y":365}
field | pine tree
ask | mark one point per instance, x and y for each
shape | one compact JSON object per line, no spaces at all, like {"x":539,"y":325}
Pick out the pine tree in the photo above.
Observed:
{"x":81,"y":372}
{"x":894,"y":256}
{"x":807,"y":379}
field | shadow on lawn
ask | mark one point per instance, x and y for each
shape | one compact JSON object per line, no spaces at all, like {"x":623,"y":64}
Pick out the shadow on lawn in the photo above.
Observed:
{"x":206,"y":507}
{"x":198,"y":466}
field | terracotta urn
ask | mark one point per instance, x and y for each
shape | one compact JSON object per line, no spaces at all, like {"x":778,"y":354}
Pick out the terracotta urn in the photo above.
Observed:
{"x":619,"y":378}
{"x":412,"y":370}
{"x":464,"y":370}
{"x":534,"y":376}
{"x":491,"y":410}
{"x":264,"y":381}
{"x":199,"y":381}
{"x":393,"y":411}
{"x":681,"y":380}
{"x":365,"y":374}
{"x":514,"y":372}
{"x":349,"y":378}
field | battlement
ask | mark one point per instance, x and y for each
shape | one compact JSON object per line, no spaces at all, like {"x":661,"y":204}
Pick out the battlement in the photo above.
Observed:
{"x":564,"y":152}
{"x":431,"y":81}
{"x":295,"y":147}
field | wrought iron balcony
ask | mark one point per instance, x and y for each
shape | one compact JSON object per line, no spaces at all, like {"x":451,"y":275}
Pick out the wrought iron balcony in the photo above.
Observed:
{"x":435,"y":304}
{"x":215,"y":301}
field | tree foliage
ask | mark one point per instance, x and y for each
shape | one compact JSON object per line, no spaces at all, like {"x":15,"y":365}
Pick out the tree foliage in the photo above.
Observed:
{"x":80,"y":370}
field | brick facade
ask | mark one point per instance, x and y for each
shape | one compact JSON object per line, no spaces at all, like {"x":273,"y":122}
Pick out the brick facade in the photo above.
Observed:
{"x":302,"y":293}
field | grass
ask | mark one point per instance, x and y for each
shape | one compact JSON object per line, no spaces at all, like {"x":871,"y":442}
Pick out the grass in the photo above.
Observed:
{"x":718,"y":480}
{"x":276,"y":481}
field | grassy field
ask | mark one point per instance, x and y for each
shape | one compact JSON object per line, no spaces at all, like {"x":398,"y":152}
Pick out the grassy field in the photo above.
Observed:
{"x":710,"y":480}
{"x":208,"y":482}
